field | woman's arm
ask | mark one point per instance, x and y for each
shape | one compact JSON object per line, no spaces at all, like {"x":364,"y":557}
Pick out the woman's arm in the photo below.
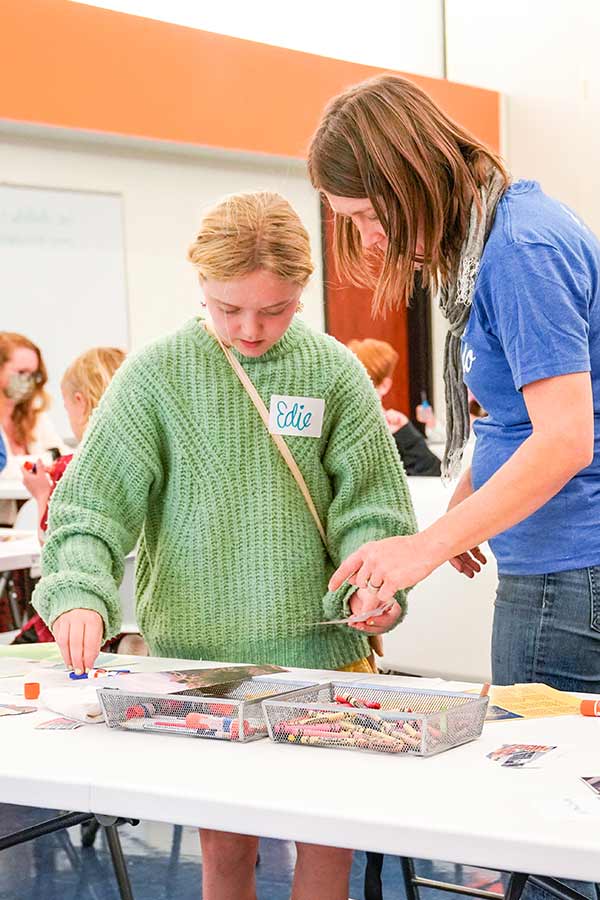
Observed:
{"x":558,"y":448}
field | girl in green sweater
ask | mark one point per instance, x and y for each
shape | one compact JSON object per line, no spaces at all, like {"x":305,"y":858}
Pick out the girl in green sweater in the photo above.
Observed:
{"x":230,"y":563}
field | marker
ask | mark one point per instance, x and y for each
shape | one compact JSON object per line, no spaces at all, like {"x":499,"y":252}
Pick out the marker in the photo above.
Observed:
{"x":590,"y":708}
{"x":424,"y":401}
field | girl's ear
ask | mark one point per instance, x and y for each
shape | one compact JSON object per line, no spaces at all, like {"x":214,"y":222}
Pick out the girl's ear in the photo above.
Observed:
{"x":82,"y":403}
{"x":384,"y":387}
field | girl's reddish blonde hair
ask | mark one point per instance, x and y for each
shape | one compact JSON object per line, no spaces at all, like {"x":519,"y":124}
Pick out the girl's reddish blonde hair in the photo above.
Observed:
{"x":378,"y":357}
{"x":250,"y":231}
{"x":386,"y":140}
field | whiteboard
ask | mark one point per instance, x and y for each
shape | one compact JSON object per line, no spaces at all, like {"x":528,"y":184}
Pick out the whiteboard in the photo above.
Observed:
{"x":62,"y":275}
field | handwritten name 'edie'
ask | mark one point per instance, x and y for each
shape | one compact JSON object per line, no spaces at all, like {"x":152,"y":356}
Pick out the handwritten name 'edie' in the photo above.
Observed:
{"x":299,"y":416}
{"x":294,"y":417}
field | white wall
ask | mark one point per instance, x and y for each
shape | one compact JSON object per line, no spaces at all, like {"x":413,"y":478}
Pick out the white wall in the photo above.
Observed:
{"x":544,"y":56}
{"x":395,"y":34}
{"x":164,"y":194}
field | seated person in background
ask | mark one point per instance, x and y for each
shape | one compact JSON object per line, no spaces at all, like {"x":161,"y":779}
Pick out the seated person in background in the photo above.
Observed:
{"x":379,"y":359}
{"x":25,"y":428}
{"x":82,"y":386}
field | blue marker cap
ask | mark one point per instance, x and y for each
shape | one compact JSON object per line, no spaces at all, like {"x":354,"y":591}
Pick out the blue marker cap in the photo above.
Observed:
{"x":75,"y":677}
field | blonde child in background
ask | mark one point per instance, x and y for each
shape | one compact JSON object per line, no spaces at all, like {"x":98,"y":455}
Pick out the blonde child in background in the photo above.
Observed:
{"x":82,"y":386}
{"x":230,"y":564}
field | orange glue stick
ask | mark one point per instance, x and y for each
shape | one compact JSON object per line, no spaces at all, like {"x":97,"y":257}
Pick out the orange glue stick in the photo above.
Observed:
{"x":590,"y":708}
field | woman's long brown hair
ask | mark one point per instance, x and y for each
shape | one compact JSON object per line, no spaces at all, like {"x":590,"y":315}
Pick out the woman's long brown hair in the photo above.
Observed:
{"x":25,"y":414}
{"x":387,"y":140}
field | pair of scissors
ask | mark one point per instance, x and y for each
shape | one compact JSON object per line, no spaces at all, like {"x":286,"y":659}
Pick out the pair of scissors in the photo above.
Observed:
{"x":361,"y":617}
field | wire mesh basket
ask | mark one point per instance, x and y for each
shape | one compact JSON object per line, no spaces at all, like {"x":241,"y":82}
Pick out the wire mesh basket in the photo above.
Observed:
{"x":363,"y":716}
{"x":228,"y":712}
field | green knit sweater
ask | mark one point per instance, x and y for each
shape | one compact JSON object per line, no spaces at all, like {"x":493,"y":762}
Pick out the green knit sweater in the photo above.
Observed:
{"x":230,"y":565}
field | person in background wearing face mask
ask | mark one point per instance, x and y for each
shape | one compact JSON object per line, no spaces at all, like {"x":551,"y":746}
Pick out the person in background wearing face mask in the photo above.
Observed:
{"x":25,"y":427}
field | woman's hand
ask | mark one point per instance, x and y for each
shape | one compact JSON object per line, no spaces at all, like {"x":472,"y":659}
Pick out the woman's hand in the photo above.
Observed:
{"x":79,"y":634}
{"x":388,"y":565}
{"x":38,"y":483}
{"x":364,"y":600}
{"x":469,"y":562}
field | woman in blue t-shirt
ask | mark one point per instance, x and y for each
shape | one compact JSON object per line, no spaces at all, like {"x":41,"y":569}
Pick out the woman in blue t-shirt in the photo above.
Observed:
{"x":518,"y":277}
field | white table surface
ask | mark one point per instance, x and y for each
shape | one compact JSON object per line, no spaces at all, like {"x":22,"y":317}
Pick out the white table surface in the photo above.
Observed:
{"x":457,"y":806}
{"x":21,"y":552}
{"x":13,"y":489}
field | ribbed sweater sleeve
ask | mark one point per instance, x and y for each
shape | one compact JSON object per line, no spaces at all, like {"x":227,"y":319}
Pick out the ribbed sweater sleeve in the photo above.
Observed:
{"x":98,"y":508}
{"x":371,"y":499}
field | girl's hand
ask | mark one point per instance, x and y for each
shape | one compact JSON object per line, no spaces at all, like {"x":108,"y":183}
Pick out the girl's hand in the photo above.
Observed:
{"x":38,"y":483}
{"x":395,"y":420}
{"x":364,"y":600}
{"x":425,"y":415}
{"x":391,"y":565}
{"x":79,"y":634}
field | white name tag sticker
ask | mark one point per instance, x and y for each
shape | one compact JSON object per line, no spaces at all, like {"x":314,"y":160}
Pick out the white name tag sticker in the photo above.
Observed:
{"x":297,"y":416}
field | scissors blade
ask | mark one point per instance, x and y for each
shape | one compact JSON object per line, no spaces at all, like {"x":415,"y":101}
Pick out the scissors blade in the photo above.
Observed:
{"x":362,"y":617}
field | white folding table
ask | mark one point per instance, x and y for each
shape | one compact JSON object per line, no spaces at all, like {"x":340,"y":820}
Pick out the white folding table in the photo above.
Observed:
{"x":456,"y":806}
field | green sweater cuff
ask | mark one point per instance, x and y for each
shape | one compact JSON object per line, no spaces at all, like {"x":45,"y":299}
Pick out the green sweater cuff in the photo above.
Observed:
{"x":54,"y":596}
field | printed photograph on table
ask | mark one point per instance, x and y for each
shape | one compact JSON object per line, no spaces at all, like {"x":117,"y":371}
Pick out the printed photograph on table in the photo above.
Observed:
{"x":593,"y":782}
{"x":519,"y":755}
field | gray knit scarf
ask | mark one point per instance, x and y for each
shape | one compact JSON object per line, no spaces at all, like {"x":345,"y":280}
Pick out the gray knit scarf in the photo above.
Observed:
{"x":455,"y":301}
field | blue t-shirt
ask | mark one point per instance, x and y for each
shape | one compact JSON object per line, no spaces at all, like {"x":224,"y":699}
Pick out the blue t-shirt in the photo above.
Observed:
{"x":535,"y":314}
{"x":2,"y":454}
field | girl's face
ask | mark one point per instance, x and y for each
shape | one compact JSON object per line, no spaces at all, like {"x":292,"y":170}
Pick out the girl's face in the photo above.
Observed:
{"x":253,"y":312}
{"x":76,"y":407}
{"x":364,"y":217}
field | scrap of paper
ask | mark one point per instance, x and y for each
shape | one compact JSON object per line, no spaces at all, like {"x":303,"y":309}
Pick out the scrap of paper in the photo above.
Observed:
{"x":517,"y":756}
{"x":497,"y":713}
{"x":10,"y":709}
{"x":535,"y":701}
{"x":59,"y":724}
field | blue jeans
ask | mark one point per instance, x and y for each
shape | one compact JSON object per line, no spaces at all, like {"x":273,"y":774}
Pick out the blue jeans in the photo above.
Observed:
{"x":547,"y":629}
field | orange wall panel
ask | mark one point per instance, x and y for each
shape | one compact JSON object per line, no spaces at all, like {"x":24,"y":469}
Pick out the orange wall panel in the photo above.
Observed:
{"x":76,"y":66}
